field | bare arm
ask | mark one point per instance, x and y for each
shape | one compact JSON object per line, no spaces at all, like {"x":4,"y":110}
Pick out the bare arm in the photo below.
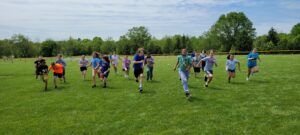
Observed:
{"x":176,"y":65}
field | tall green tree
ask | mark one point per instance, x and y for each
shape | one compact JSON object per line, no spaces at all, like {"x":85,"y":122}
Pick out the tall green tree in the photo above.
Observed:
{"x":233,"y":31}
{"x":273,"y":36}
{"x":139,"y":37}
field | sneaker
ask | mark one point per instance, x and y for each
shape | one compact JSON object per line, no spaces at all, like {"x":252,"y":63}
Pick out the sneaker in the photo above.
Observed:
{"x":55,"y":87}
{"x":141,"y":89}
{"x":206,"y":84}
{"x":104,"y":85}
{"x":247,"y":78}
{"x":136,"y":80}
{"x":93,"y":86}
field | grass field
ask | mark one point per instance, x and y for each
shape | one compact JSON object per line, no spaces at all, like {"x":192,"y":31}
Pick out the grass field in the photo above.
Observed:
{"x":268,"y":104}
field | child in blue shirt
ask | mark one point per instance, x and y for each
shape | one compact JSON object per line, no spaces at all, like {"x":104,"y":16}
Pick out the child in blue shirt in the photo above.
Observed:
{"x":252,"y":63}
{"x":231,"y":65}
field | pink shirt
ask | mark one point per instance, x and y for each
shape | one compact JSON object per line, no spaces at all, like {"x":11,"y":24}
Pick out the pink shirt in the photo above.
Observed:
{"x":126,"y":63}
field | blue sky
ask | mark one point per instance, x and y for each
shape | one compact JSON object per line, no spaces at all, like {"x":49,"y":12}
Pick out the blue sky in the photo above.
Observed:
{"x":60,"y":19}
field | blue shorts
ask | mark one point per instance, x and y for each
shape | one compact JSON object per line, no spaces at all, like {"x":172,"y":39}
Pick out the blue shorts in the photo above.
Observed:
{"x":251,"y":66}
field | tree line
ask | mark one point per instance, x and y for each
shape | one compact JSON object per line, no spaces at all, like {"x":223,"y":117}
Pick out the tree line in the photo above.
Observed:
{"x":231,"y":32}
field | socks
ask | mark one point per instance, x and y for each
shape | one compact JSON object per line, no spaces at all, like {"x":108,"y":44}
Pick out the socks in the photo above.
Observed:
{"x":140,"y":85}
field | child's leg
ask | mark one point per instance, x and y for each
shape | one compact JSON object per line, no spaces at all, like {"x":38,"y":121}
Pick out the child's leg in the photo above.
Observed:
{"x":141,"y":80}
{"x":184,"y":80}
{"x":151,"y":73}
{"x":148,"y":73}
{"x":233,"y":74}
{"x":54,"y":80}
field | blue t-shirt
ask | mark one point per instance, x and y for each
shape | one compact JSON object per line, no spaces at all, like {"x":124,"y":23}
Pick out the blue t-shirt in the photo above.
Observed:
{"x":62,"y":62}
{"x":253,"y":61}
{"x":138,"y":58}
{"x":95,"y":62}
{"x":104,"y":66}
{"x":209,"y":63}
{"x":231,"y":64}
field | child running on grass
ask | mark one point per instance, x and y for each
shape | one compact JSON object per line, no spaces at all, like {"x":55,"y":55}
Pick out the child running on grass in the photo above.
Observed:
{"x":83,"y":64}
{"x":115,"y":61}
{"x":231,"y":66}
{"x":38,"y":63}
{"x":138,"y":68}
{"x":149,"y":61}
{"x":196,"y":60}
{"x":104,"y":69}
{"x":61,"y":61}
{"x":126,"y":66}
{"x":184,"y":64}
{"x":43,"y":73}
{"x":95,"y":63}
{"x":57,"y":70}
{"x":252,"y":63}
{"x":210,"y":61}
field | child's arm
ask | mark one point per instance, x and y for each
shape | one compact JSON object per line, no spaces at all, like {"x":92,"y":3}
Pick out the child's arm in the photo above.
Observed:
{"x":239,"y":66}
{"x":176,"y":65}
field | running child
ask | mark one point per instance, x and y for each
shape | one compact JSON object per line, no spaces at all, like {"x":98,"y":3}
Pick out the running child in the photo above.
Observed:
{"x":43,"y":73}
{"x":61,"y":61}
{"x":202,"y":56}
{"x":184,"y":64}
{"x":57,"y":70}
{"x":38,"y":63}
{"x":95,"y":63}
{"x":138,"y":68}
{"x":83,"y":64}
{"x":126,"y":66}
{"x":210,"y":61}
{"x":149,"y":61}
{"x":231,"y":66}
{"x":104,"y":69}
{"x":196,"y":67}
{"x":252,"y":63}
{"x":114,"y":61}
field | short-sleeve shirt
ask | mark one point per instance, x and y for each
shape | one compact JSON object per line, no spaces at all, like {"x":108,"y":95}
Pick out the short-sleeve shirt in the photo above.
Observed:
{"x":231,"y":64}
{"x":253,"y":62}
{"x":58,"y":68}
{"x":149,"y":61}
{"x":126,"y":63}
{"x":104,"y":66}
{"x":39,"y":62}
{"x":138,"y":58}
{"x":115,"y":59}
{"x":83,"y":62}
{"x":62,"y":62}
{"x":95,"y":62}
{"x":184,"y":62}
{"x":209,"y":63}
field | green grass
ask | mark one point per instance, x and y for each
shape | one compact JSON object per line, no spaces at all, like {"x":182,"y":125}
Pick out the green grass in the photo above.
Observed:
{"x":268,"y":104}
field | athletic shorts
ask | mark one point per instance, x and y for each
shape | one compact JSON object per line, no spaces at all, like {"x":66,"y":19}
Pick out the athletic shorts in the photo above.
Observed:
{"x":232,"y":71}
{"x":37,"y":72}
{"x":106,"y":75}
{"x":95,"y":72}
{"x":83,"y":69}
{"x":45,"y":76}
{"x":197,"y":69}
{"x":251,"y":66}
{"x":59,"y":75}
{"x":127,"y":69}
{"x":209,"y":72}
{"x":138,"y":72}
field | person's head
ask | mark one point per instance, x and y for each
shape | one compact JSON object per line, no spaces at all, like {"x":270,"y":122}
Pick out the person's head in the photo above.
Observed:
{"x":126,"y":56}
{"x":203,"y":51}
{"x":197,"y":53}
{"x":148,"y":55}
{"x":53,"y":64}
{"x":83,"y":57}
{"x":59,"y":56}
{"x":140,"y":52}
{"x":211,"y":53}
{"x":105,"y":58}
{"x":230,"y":57}
{"x":95,"y":55}
{"x":254,"y":50}
{"x":40,"y":57}
{"x":183,"y":52}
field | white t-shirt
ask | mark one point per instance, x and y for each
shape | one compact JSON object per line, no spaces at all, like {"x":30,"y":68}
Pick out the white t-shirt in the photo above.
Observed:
{"x":115,"y":59}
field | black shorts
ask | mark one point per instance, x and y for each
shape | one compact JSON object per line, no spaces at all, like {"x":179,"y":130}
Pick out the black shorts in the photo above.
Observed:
{"x":209,"y":72}
{"x":197,"y":69}
{"x":59,"y":75}
{"x":37,"y":72}
{"x":138,"y":72}
{"x":83,"y":69}
{"x":232,"y":71}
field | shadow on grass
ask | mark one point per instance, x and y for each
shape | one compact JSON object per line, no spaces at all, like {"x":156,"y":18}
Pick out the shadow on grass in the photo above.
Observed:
{"x":237,"y":83}
{"x":260,"y":81}
{"x":153,"y":81}
{"x":214,"y":88}
{"x":195,"y":99}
